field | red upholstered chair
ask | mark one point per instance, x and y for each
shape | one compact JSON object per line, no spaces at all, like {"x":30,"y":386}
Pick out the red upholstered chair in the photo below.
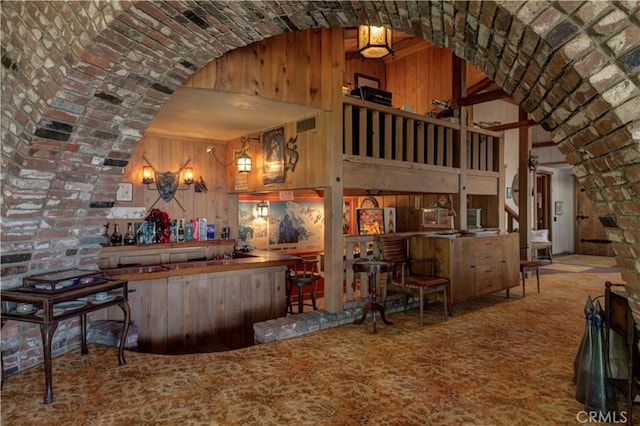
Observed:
{"x":394,"y":249}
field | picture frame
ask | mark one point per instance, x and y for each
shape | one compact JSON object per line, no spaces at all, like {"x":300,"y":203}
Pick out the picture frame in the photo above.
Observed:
{"x":365,"y":80}
{"x":558,"y":208}
{"x":370,"y":221}
{"x":430,"y":217}
{"x":125,"y":192}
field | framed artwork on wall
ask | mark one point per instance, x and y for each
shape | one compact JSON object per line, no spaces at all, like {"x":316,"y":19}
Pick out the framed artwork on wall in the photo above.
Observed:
{"x":125,"y":192}
{"x":558,"y":208}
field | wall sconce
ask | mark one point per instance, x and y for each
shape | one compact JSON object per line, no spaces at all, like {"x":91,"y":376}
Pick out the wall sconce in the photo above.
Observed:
{"x":188,"y":175}
{"x":243,"y":162}
{"x":148,"y":175}
{"x":262,"y":209}
{"x":167,"y":183}
{"x":374,"y":42}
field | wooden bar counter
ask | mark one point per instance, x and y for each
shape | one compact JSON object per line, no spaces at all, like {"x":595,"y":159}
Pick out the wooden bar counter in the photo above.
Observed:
{"x":202,"y":305}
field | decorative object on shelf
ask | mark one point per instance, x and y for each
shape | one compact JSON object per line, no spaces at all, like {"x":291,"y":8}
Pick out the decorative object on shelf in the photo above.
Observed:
{"x":366,"y":81}
{"x":262,"y":209}
{"x":116,"y":237}
{"x":369,"y":202}
{"x":374,"y":42}
{"x":200,"y":186}
{"x":162,"y":225}
{"x":167,"y":183}
{"x":129,"y":237}
{"x":125,"y":192}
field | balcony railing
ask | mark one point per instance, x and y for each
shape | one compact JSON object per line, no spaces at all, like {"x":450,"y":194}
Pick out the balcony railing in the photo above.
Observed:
{"x":381,"y":132}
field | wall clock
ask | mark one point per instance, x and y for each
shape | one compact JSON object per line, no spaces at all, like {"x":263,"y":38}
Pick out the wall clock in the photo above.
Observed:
{"x":368,"y":203}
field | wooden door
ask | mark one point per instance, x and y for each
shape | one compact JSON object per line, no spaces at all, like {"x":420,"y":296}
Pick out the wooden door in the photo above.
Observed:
{"x":591,"y":237}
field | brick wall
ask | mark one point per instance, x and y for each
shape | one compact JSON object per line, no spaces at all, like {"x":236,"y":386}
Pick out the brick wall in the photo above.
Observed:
{"x":81,"y":81}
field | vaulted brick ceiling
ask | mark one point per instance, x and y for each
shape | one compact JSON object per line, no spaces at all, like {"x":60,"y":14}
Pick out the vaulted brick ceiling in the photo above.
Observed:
{"x":81,"y":81}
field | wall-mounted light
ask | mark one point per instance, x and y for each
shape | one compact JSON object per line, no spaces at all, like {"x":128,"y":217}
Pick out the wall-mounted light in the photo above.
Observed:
{"x":148,"y":175}
{"x":188,"y":175}
{"x":262,"y":209}
{"x":167,"y":183}
{"x":374,"y":42}
{"x":243,"y":162}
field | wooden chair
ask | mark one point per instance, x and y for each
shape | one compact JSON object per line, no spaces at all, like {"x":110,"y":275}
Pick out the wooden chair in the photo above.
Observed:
{"x":302,"y":274}
{"x":529,"y":265}
{"x":394,"y":250}
{"x":540,"y":243}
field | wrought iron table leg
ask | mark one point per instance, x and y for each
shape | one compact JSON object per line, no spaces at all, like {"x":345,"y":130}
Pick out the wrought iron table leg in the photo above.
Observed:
{"x":83,"y":334}
{"x":47,"y":331}
{"x":125,"y":329}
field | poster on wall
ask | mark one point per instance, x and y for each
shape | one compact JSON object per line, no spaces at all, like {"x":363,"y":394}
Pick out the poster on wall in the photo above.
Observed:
{"x":252,"y":229}
{"x":296,"y":226}
{"x":370,"y":221}
{"x":273,"y":155}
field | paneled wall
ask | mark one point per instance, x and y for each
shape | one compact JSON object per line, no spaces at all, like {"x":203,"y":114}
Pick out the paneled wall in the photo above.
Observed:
{"x":296,"y":67}
{"x":168,"y":155}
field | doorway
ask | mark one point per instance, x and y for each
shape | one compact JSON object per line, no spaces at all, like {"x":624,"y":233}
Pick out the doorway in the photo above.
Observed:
{"x":591,"y":236}
{"x":543,"y":215}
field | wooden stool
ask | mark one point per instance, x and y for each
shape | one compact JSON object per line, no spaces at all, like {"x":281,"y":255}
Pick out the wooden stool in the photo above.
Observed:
{"x":526,"y":265}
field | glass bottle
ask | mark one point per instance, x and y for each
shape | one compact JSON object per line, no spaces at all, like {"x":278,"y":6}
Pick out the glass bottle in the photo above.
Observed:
{"x":129,"y":237}
{"x":116,"y":237}
{"x":181,"y":231}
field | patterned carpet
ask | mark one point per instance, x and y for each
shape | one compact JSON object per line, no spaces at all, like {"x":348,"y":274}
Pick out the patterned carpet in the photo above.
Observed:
{"x":495,"y":362}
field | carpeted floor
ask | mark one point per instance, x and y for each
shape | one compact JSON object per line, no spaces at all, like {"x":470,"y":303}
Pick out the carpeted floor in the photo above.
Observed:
{"x":497,"y":361}
{"x":586,"y":260}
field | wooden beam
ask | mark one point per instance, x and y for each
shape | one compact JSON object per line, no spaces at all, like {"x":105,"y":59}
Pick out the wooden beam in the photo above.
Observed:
{"x":544,"y":144}
{"x":481,"y":85}
{"x":479,"y":98}
{"x":514,"y":125}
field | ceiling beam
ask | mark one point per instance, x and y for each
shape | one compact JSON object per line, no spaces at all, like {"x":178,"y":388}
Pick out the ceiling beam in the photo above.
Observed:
{"x":514,"y":125}
{"x":479,"y":98}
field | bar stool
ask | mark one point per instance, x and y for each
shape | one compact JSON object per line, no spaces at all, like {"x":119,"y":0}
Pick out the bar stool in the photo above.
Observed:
{"x":528,"y":265}
{"x":302,"y":274}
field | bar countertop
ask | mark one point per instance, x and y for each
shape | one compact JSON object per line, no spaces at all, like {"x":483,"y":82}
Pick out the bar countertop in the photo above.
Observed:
{"x":241,"y":261}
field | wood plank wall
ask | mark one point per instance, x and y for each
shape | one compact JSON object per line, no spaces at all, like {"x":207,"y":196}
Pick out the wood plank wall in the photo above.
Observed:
{"x":169,"y":154}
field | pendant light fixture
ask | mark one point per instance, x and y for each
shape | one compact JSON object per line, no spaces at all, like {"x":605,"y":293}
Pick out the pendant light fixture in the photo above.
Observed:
{"x":374,"y":42}
{"x":262,"y":209}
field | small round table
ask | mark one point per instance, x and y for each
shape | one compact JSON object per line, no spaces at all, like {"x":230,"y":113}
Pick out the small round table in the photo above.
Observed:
{"x":373,"y":268}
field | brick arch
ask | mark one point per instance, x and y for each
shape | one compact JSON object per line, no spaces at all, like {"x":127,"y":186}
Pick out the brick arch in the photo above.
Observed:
{"x":82,"y":82}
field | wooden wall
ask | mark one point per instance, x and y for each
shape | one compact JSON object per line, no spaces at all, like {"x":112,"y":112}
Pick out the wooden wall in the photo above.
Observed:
{"x":288,"y":68}
{"x":169,"y":154}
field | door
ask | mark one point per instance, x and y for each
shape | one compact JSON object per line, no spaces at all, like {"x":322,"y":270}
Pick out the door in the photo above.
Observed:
{"x":543,"y":201}
{"x":591,"y":237}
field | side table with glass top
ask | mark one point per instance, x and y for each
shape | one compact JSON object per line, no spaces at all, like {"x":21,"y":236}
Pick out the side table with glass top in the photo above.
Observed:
{"x":48,"y":309}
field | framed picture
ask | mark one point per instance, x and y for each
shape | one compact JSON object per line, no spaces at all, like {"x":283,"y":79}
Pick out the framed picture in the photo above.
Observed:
{"x":558,"y":208}
{"x":370,"y":221}
{"x":273,"y":155}
{"x":125,"y":192}
{"x":430,"y":217}
{"x":364,"y":80}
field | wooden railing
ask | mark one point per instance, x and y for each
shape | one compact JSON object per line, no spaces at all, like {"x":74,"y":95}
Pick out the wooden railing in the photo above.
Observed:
{"x":381,"y":132}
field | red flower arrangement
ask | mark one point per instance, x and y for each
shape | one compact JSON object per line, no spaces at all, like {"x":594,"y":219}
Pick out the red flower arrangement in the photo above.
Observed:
{"x":163,"y":225}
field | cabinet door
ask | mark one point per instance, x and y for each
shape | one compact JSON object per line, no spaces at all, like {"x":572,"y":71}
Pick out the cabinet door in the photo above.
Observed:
{"x":511,"y":260}
{"x":462,"y":270}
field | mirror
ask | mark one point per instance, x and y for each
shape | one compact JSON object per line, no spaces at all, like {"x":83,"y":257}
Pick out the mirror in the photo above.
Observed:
{"x":515,"y":189}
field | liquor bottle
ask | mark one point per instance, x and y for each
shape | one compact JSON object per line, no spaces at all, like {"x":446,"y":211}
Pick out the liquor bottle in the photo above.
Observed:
{"x":129,"y":237}
{"x":181,"y":231}
{"x":116,"y":237}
